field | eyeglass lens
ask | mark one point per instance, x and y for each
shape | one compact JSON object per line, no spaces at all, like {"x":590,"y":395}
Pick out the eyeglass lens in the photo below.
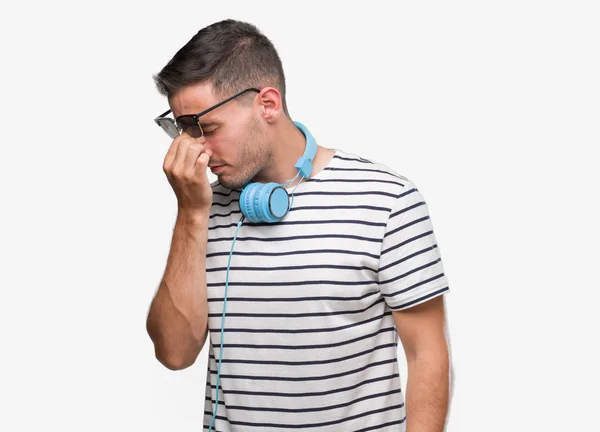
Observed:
{"x":169,"y":127}
{"x":190,"y":125}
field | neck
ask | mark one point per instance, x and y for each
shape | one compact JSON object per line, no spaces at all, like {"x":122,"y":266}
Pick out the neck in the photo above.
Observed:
{"x":288,"y":145}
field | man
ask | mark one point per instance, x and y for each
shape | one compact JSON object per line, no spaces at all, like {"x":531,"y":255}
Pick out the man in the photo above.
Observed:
{"x":302,"y":313}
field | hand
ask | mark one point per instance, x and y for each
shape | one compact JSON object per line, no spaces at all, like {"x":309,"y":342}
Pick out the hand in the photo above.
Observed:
{"x":185,"y":166}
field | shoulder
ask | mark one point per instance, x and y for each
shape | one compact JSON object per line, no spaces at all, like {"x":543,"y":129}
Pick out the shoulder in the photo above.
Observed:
{"x":356,"y":166}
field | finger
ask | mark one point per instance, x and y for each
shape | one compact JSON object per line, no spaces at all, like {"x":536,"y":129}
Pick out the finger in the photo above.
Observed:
{"x":193,"y":151}
{"x":201,"y":164}
{"x":171,"y":153}
{"x":207,"y":152}
{"x":169,"y":157}
{"x":201,"y":141}
{"x":182,"y":150}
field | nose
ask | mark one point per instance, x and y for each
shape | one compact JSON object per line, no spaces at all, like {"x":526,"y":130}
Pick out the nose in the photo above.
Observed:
{"x":207,"y":146}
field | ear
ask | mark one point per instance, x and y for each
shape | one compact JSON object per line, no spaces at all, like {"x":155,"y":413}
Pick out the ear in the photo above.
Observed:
{"x":269,"y":101}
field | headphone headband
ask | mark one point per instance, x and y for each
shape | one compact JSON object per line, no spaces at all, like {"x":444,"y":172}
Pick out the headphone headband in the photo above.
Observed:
{"x":269,"y":202}
{"x":304,"y":163}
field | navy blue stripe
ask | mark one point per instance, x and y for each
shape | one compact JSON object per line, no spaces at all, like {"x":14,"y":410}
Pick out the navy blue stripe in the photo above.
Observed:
{"x":316,"y":193}
{"x":292,"y":299}
{"x":302,"y":267}
{"x":304,"y":363}
{"x":300,"y":237}
{"x":340,"y":207}
{"x":299,"y":315}
{"x":416,"y":269}
{"x":311,"y":346}
{"x":296,"y":347}
{"x":361,"y":170}
{"x":310,"y":394}
{"x":310,"y":222}
{"x":403,"y":194}
{"x":422,"y":251}
{"x":346,"y":193}
{"x":361,"y":160}
{"x":295,"y":252}
{"x":225,"y":215}
{"x":425,"y":297}
{"x":303,"y":410}
{"x":412,"y":239}
{"x":293,"y":283}
{"x":305,"y":378}
{"x":358,"y":181}
{"x":223,"y":193}
{"x":400,"y":228}
{"x":221,"y":403}
{"x":419,"y":204}
{"x":300,"y":331}
{"x":225,"y":204}
{"x":217,"y":417}
{"x":307,"y":425}
{"x":423,"y":282}
{"x":324,"y":221}
{"x":218,"y":184}
{"x":377,"y":427}
{"x":293,"y":209}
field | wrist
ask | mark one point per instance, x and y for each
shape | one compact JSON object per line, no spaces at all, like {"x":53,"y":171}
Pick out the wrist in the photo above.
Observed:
{"x":193,"y":217}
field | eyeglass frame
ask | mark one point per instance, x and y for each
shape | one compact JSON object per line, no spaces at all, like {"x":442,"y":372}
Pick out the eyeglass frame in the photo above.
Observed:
{"x":196,"y":117}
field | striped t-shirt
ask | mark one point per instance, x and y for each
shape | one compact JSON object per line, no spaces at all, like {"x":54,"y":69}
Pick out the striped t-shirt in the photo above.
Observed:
{"x":309,"y":340}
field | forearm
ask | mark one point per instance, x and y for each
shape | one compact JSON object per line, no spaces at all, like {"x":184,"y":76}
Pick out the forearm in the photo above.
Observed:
{"x":427,"y":392}
{"x":178,"y":316}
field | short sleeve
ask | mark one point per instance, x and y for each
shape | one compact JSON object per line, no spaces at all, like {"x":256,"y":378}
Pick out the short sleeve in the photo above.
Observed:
{"x":410,"y":264}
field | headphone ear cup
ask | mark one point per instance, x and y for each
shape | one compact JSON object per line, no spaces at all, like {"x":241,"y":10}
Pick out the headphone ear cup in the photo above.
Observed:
{"x":264,"y":202}
{"x":246,"y":201}
{"x":278,"y":203}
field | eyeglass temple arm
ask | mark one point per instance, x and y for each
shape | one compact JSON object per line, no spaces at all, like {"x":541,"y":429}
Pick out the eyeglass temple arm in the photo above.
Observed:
{"x":200,"y":114}
{"x":217,"y":105}
{"x":165,"y":113}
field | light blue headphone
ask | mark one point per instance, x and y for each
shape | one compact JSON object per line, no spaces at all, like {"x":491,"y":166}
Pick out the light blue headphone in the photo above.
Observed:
{"x":269,"y":202}
{"x":264,"y":202}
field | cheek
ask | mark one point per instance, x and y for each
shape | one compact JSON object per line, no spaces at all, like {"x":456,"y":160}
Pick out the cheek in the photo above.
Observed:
{"x":224,"y":149}
{"x":217,"y":145}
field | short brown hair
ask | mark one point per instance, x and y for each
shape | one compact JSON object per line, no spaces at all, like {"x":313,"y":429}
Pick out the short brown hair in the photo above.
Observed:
{"x":231,"y":55}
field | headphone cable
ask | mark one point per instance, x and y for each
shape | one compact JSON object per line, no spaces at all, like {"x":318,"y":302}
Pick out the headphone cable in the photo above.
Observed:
{"x":239,"y":224}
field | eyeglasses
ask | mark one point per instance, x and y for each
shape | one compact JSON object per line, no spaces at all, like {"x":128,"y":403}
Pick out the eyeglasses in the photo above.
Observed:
{"x":190,"y":123}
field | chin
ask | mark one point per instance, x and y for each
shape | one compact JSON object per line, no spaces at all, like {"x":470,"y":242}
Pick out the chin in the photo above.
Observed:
{"x":238,"y":180}
{"x":230,"y":183}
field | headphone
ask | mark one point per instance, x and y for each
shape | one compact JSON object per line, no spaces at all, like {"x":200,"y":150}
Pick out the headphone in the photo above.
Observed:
{"x":269,"y":202}
{"x":264,"y":202}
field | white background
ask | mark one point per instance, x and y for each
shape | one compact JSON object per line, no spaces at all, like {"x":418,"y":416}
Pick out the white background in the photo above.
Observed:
{"x":491,"y":108}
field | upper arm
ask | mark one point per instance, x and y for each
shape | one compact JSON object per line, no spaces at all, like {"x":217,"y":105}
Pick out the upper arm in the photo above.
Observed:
{"x":422,"y":328}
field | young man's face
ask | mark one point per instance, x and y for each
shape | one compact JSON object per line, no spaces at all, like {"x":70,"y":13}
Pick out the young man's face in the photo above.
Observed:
{"x":232,"y":132}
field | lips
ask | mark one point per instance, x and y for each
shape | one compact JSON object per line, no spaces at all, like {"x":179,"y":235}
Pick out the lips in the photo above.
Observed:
{"x":216,"y":168}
